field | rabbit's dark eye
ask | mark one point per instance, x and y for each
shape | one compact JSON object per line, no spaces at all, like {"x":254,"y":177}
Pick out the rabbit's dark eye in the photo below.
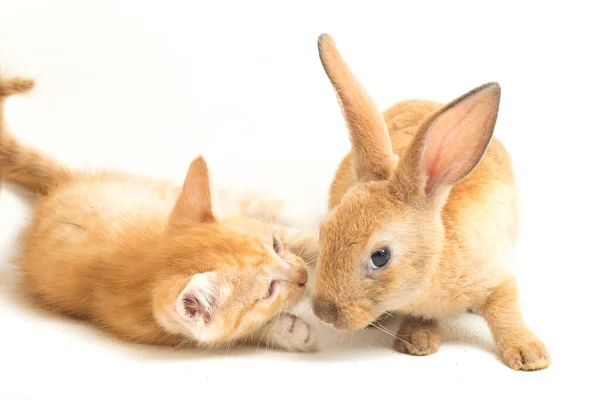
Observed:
{"x":380,"y":258}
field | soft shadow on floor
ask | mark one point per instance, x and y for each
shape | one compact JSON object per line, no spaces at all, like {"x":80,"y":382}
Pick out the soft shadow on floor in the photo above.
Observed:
{"x":468,"y":329}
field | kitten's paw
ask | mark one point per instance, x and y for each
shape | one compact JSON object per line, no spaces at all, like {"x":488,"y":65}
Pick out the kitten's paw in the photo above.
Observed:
{"x":418,"y":338}
{"x":527,"y":356}
{"x":293,"y":333}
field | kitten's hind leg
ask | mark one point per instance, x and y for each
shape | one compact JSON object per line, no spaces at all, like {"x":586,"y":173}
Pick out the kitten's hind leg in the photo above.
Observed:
{"x":287,"y":332}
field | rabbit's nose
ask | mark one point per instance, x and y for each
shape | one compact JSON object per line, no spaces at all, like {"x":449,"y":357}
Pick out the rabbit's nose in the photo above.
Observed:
{"x":325,"y":310}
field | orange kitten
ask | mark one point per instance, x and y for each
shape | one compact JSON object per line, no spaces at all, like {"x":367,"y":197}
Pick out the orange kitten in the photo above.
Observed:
{"x":149,"y":261}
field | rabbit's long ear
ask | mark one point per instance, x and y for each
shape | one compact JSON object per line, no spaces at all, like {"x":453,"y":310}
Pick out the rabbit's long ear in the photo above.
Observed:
{"x":371,"y":147}
{"x":450,"y":144}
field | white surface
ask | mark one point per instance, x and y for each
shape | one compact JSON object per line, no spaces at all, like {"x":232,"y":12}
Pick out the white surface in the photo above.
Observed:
{"x":145,"y":87}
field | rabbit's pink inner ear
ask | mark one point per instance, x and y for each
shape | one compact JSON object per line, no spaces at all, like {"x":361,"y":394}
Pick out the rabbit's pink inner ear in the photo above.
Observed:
{"x":371,"y":146}
{"x":456,"y":139}
{"x":194,"y":203}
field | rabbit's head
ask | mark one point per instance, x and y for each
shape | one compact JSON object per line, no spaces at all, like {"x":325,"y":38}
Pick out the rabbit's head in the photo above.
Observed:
{"x":381,"y":245}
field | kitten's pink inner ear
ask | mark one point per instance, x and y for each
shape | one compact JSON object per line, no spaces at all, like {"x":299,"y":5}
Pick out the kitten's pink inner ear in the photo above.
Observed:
{"x":200,"y":299}
{"x":457,"y":138}
{"x":194,"y":308}
{"x":194,"y":202}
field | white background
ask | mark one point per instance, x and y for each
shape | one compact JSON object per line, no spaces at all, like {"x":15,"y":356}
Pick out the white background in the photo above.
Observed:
{"x":147,"y":86}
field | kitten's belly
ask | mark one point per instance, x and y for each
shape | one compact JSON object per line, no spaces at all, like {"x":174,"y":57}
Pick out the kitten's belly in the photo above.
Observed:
{"x":79,"y":232}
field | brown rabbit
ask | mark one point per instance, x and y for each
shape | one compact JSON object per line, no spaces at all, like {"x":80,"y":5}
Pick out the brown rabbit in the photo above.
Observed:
{"x":423,"y":220}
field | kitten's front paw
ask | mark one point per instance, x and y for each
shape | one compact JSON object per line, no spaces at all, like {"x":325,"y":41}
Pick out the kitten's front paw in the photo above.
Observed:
{"x":527,"y":356}
{"x":293,"y":333}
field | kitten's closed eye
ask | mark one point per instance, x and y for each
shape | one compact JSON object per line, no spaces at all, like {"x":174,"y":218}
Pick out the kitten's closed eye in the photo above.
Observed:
{"x":277,"y":246}
{"x":273,"y":287}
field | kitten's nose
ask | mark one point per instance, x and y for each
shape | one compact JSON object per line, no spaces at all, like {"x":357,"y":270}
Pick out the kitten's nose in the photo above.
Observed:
{"x":299,"y":276}
{"x":326,"y":310}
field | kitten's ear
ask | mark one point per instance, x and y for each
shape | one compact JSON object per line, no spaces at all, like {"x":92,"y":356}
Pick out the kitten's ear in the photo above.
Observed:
{"x":450,"y":144}
{"x":200,"y":300}
{"x":194,"y":202}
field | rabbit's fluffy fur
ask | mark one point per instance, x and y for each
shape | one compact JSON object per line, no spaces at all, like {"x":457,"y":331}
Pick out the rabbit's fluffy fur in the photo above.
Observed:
{"x":430,"y":184}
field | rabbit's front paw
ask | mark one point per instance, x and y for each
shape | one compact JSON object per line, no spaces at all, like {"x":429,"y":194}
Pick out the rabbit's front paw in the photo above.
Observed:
{"x":519,"y":347}
{"x":293,"y":333}
{"x":418,"y":337}
{"x":529,"y":355}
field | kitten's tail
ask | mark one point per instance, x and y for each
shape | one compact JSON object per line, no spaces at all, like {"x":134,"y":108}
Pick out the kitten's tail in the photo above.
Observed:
{"x":20,"y":163}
